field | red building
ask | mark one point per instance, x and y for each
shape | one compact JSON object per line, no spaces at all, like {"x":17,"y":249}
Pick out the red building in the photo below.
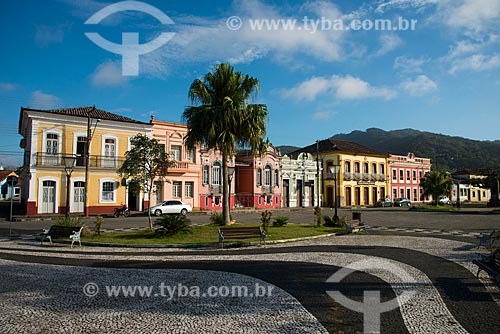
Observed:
{"x":405,"y":174}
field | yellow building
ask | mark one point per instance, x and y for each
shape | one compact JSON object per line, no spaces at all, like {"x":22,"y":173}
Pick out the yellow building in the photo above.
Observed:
{"x":52,"y":137}
{"x":362,"y":175}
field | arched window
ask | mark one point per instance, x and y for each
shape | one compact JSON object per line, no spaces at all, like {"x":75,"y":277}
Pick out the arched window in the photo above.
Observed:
{"x":259,"y":177}
{"x":206,"y":172}
{"x":276,"y":178}
{"x":347,"y":166}
{"x":374,"y":168}
{"x":356,"y":167}
{"x":267,"y":175}
{"x":216,"y":173}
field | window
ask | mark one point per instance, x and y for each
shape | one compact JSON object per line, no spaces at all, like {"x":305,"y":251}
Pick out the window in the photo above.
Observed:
{"x":356,"y":167}
{"x":276,"y":178}
{"x":158,"y":191}
{"x":259,"y":177}
{"x":401,"y":175}
{"x":267,"y":176}
{"x":108,"y":191}
{"x":52,"y":143}
{"x":374,"y":168}
{"x":176,"y":189}
{"x":162,"y":147}
{"x":109,"y":147}
{"x":269,"y":200}
{"x":175,"y":152}
{"x":347,"y":166}
{"x":189,"y":189}
{"x":191,"y":155}
{"x":217,"y":200}
{"x":206,"y":179}
{"x":402,"y":193}
{"x":382,"y":169}
{"x":415,"y":197}
{"x":365,"y":168}
{"x":420,"y":174}
{"x":394,"y":175}
{"x":408,"y":175}
{"x":216,"y":173}
{"x":414,"y":175}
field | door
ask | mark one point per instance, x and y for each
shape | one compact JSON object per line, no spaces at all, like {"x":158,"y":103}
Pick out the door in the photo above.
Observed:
{"x":81,"y":143}
{"x":358,"y":196}
{"x":109,"y":159}
{"x":299,"y":194}
{"x":329,"y":197}
{"x":48,"y":197}
{"x":374,"y":195}
{"x":366,"y":196}
{"x":348,"y":197}
{"x":286,"y":194}
{"x":78,"y":201}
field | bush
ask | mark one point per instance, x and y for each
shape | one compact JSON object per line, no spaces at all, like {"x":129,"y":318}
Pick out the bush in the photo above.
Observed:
{"x":172,"y":224}
{"x":331,"y":222}
{"x":265,"y":219}
{"x":98,"y":225}
{"x":280,"y":221}
{"x":216,"y":218}
{"x":68,"y":221}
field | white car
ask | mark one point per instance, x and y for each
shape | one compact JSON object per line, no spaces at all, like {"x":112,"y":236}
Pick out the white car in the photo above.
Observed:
{"x":173,"y":206}
{"x":444,"y":200}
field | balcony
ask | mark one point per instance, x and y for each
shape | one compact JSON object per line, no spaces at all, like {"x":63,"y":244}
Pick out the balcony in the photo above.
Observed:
{"x":357,"y":176}
{"x":347,"y":176}
{"x":366,"y":177}
{"x":178,"y":167}
{"x":95,"y":161}
{"x":216,"y":189}
{"x":267,"y":189}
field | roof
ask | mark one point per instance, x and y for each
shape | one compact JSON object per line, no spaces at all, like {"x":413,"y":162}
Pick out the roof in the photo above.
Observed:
{"x":84,"y":112}
{"x":5,"y":173}
{"x":331,"y":145}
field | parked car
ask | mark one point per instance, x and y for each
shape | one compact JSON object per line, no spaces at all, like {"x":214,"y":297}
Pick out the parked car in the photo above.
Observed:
{"x":173,"y":206}
{"x":402,"y":202}
{"x":384,"y":202}
{"x":444,"y":200}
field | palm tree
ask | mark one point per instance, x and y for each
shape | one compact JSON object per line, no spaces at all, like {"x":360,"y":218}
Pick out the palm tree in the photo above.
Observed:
{"x":222,"y":119}
{"x":437,"y":184}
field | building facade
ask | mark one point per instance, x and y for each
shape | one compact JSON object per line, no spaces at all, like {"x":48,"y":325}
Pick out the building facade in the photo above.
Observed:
{"x":258,"y":179}
{"x":469,"y":191}
{"x":301,"y":185}
{"x":184,"y":178}
{"x":362,"y":177}
{"x":51,"y":136}
{"x":405,"y":173}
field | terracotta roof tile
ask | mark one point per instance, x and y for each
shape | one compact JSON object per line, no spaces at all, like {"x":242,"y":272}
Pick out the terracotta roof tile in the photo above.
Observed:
{"x":331,"y":145}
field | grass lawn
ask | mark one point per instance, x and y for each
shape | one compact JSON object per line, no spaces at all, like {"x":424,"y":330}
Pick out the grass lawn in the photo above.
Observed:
{"x":432,"y":208}
{"x":207,"y":234}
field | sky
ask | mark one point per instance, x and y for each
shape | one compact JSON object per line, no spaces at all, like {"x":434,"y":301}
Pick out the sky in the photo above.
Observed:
{"x":325,"y":67}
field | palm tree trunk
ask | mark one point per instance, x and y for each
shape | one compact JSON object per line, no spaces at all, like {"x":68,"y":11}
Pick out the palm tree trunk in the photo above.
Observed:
{"x":225,"y":191}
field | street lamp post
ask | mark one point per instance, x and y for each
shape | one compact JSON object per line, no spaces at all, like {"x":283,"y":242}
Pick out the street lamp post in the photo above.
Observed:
{"x":334,"y":170}
{"x":87,"y":159}
{"x":69,"y":163}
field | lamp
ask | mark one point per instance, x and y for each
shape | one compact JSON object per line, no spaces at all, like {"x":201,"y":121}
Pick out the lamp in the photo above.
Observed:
{"x":334,"y":170}
{"x":69,"y":163}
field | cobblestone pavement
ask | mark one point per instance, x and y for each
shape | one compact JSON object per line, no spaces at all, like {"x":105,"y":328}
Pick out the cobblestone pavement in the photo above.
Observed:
{"x":448,"y":299}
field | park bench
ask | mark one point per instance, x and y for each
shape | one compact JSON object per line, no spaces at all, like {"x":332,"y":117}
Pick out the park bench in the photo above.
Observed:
{"x":62,"y":232}
{"x":491,"y":264}
{"x":487,"y":239}
{"x":355,"y":226}
{"x":241,"y":233}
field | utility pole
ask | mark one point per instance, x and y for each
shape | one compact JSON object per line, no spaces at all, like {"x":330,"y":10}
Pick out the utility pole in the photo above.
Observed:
{"x":87,"y":162}
{"x":317,"y":173}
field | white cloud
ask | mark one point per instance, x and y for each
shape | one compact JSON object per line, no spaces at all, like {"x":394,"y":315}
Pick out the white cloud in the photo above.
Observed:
{"x":47,"y":35}
{"x":323,"y":115}
{"x":409,"y":65}
{"x":470,"y":46}
{"x":341,"y":87}
{"x":350,"y":88}
{"x":6,"y":86}
{"x":42,"y":100}
{"x":108,"y":74}
{"x":309,"y":89}
{"x":420,"y":86}
{"x":474,"y":15}
{"x":388,"y":43}
{"x":477,"y":62}
{"x":385,"y":5}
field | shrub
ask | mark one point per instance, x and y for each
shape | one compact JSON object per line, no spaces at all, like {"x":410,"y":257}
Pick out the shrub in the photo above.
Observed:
{"x":216,"y":218}
{"x":331,"y":222}
{"x":68,"y":221}
{"x":265,"y":219}
{"x":98,"y":225}
{"x":172,"y":224}
{"x":317,"y":213}
{"x":280,"y":221}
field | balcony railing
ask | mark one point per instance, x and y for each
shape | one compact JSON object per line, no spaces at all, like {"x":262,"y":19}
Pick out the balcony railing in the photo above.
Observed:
{"x":347,"y":176}
{"x":95,"y":161}
{"x":267,"y":189}
{"x":366,"y":177}
{"x":216,"y":189}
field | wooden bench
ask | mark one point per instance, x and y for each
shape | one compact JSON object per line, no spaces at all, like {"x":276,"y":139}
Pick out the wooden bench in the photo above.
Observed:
{"x":241,"y":233}
{"x":491,"y":264}
{"x":487,"y":239}
{"x":62,"y":232}
{"x":355,"y":226}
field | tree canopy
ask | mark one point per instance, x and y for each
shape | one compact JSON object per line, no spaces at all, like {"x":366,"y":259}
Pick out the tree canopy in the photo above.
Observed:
{"x":437,"y":184}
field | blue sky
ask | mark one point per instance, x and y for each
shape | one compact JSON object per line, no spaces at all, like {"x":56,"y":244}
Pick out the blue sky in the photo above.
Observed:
{"x":443,"y":76}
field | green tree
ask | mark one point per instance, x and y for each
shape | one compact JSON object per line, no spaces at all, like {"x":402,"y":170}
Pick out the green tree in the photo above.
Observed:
{"x":437,"y":184}
{"x":144,"y":163}
{"x":222,"y":119}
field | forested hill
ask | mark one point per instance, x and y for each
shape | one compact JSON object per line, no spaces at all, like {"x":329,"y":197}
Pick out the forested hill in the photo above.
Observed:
{"x":461,"y":153}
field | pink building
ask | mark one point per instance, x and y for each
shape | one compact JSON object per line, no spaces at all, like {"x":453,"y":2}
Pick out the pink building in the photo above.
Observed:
{"x":405,"y":174}
{"x":185,"y":175}
{"x":258,"y":180}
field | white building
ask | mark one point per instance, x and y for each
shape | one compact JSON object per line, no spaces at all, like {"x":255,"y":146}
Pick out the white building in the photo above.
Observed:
{"x":301,"y":181}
